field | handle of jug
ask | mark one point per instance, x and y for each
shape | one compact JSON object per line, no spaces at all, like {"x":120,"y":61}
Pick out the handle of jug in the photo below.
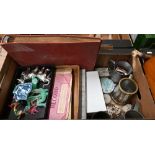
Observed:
{"x":112,"y":64}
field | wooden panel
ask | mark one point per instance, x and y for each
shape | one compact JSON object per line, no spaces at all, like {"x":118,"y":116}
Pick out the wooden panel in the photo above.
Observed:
{"x":75,"y":51}
{"x":103,"y":59}
{"x":125,"y":36}
{"x":147,"y":103}
{"x":6,"y":75}
{"x":3,"y":55}
{"x":113,"y":36}
{"x":51,"y":39}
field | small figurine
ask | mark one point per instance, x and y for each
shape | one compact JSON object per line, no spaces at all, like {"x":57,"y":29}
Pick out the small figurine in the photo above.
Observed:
{"x":18,"y":113}
{"x":20,"y":81}
{"x":41,"y":71}
{"x":37,"y":96}
{"x":35,"y":70}
{"x":42,"y":76}
{"x":25,"y":73}
{"x":33,"y":108}
{"x":28,"y":74}
{"x":34,"y":83}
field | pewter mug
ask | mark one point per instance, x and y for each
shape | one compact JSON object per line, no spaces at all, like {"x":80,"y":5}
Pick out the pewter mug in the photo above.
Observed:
{"x":124,"y":90}
{"x":133,"y":115}
{"x":119,"y":70}
{"x":100,"y":115}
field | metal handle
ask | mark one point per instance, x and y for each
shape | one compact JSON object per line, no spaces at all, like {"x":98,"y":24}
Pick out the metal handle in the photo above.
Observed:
{"x":112,"y":64}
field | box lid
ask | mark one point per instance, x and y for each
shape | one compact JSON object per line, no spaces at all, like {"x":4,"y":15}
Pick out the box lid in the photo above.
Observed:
{"x":50,"y":49}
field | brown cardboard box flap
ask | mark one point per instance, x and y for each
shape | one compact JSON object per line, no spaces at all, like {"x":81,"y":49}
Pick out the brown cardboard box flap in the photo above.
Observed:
{"x":58,"y":50}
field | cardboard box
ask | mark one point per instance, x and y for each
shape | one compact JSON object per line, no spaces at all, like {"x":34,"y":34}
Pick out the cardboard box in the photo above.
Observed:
{"x":144,"y":97}
{"x":7,"y":75}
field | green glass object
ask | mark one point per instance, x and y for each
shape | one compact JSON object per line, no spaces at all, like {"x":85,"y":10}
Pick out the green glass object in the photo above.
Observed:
{"x":38,"y":96}
{"x":34,"y":83}
{"x":145,"y":41}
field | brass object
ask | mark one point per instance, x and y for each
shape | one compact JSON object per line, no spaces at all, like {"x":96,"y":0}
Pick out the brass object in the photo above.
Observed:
{"x":124,"y":90}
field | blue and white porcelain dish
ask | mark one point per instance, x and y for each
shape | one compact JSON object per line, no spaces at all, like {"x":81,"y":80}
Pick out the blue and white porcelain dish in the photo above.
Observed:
{"x":107,"y":85}
{"x":21,"y":91}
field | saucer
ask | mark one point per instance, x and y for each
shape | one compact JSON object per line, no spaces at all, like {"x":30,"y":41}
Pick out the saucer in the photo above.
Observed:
{"x":107,"y":85}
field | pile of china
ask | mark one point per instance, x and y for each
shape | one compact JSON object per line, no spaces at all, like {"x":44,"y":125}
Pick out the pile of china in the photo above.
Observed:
{"x":119,"y":87}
